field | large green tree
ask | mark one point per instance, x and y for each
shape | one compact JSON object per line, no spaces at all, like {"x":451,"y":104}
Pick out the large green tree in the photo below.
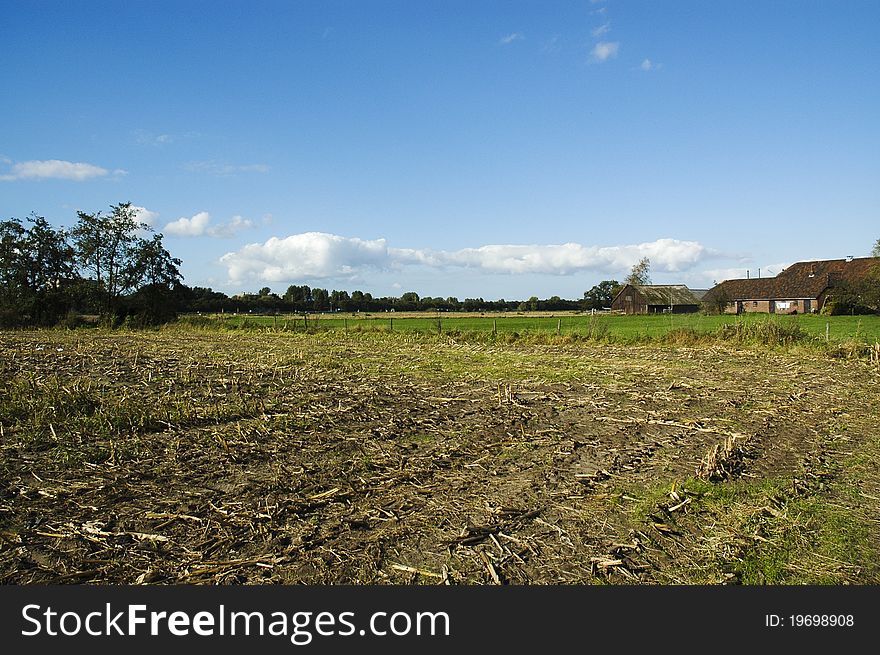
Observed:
{"x":107,"y":246}
{"x":298,"y":296}
{"x":51,"y":270}
{"x":601,"y":294}
{"x":13,"y":271}
{"x":159,"y":281}
{"x":36,"y":272}
{"x":113,"y":252}
{"x":320,"y":300}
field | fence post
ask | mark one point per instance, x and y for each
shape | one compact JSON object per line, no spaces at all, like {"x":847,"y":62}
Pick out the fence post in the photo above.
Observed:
{"x":558,"y":326}
{"x":495,"y":326}
{"x":439,"y":327}
{"x":391,"y":324}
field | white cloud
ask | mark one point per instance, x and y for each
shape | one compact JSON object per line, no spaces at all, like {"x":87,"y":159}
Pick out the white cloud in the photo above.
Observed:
{"x":602,"y":29}
{"x":307,"y":255}
{"x":236,"y":224}
{"x":200,"y":225}
{"x":144,"y":215}
{"x":510,"y":38}
{"x":56,"y":169}
{"x":221,"y":169}
{"x":564,"y":259}
{"x":605,"y":50}
{"x":648,"y":65}
{"x":320,"y":255}
{"x":189,"y":227}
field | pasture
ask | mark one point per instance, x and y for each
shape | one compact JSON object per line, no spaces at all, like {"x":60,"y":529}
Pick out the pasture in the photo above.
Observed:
{"x":210,"y":456}
{"x":609,"y":327}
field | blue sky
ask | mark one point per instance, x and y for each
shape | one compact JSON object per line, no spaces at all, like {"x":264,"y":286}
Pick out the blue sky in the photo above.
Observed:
{"x":492,"y":149}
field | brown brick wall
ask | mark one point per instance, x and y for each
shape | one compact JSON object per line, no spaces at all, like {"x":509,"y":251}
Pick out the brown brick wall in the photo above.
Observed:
{"x":763,"y":307}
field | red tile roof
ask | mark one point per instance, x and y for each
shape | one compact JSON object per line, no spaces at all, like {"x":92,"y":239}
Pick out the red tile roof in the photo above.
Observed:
{"x":801,"y":280}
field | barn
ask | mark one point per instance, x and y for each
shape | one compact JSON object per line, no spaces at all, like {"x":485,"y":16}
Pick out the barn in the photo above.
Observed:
{"x":655,"y":299}
{"x":802,"y":288}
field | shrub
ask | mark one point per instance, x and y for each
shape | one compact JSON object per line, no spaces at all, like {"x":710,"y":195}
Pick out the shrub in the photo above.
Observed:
{"x":769,"y":332}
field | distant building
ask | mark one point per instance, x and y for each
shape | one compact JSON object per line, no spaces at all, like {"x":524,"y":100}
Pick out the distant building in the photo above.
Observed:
{"x":802,"y":288}
{"x":655,"y":299}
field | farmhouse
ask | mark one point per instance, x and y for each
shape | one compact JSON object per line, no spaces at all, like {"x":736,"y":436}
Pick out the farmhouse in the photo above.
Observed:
{"x":655,"y":298}
{"x":802,"y":288}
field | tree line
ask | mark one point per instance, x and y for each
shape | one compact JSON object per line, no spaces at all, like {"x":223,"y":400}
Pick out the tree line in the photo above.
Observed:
{"x":302,"y":298}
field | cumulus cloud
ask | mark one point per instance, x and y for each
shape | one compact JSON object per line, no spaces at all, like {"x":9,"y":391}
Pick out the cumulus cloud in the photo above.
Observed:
{"x":605,"y":50}
{"x":200,"y":225}
{"x":56,"y":169}
{"x":648,"y":65}
{"x":320,"y":255}
{"x":144,"y":215}
{"x":222,"y":169}
{"x":564,"y":259}
{"x":307,"y":255}
{"x":510,"y":38}
{"x":189,"y":227}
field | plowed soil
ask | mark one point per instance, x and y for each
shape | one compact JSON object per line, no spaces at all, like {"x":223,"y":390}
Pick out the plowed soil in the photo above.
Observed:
{"x":208,"y":457}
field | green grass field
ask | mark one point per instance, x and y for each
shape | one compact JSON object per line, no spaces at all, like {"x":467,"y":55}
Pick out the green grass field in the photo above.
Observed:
{"x":611,"y":327}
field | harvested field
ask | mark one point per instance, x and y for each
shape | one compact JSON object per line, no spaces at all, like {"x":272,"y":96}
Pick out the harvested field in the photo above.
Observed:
{"x":206,"y":457}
